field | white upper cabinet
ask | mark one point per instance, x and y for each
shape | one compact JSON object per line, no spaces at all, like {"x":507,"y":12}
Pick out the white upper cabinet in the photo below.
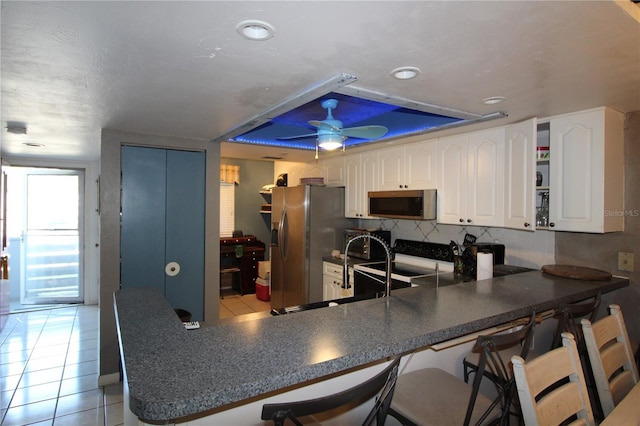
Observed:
{"x":485,"y":193}
{"x":471,"y":178}
{"x":452,"y":180}
{"x":411,"y":166}
{"x":586,"y":167}
{"x":334,"y":171}
{"x":520,"y":168}
{"x":361,"y":173}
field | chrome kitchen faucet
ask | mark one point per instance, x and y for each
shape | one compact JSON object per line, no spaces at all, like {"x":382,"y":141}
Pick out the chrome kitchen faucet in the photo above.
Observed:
{"x":387,"y":251}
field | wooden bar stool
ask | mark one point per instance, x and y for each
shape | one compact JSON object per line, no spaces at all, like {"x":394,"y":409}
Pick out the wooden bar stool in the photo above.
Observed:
{"x":611,"y":358}
{"x":551,"y":388}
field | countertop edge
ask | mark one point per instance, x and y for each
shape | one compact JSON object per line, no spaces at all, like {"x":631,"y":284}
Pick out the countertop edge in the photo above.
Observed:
{"x":165,"y":337}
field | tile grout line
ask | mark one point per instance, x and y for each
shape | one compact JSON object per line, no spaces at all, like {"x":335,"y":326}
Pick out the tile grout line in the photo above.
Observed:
{"x":64,"y":366}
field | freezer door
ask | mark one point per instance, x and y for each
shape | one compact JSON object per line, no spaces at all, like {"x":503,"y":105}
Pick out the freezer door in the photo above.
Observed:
{"x":296,"y":250}
{"x":277,"y":260}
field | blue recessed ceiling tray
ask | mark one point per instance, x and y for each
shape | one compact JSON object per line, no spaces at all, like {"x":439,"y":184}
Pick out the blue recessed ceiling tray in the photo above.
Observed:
{"x":336,"y":114}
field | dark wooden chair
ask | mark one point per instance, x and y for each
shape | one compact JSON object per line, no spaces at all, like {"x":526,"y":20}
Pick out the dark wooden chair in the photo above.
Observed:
{"x":382,"y":385}
{"x":568,"y":316}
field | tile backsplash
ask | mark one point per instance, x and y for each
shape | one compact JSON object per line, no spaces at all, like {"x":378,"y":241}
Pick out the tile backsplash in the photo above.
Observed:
{"x":523,"y":248}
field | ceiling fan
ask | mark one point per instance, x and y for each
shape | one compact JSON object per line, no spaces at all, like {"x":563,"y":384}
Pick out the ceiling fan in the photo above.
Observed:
{"x":331,"y":135}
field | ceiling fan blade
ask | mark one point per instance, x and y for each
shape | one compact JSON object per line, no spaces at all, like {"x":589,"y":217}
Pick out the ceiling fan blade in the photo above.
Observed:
{"x":317,"y":123}
{"x":365,"y":132}
{"x":309,"y":135}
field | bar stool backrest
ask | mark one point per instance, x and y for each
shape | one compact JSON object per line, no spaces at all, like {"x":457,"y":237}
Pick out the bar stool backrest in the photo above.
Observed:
{"x":552,"y":388}
{"x":382,"y":386}
{"x":611,"y":358}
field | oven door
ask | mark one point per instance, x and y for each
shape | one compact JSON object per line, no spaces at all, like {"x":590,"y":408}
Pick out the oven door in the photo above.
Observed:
{"x":366,"y":284}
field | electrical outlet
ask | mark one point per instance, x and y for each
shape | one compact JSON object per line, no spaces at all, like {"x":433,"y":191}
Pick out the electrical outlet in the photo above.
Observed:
{"x":626,"y":262}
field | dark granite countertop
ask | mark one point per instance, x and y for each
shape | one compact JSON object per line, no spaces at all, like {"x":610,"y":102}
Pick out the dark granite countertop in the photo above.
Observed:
{"x":173,"y":372}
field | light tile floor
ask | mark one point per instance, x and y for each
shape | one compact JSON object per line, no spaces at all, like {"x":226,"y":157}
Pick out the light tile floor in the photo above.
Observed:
{"x":232,"y":304}
{"x":49,"y":370}
{"x":49,"y":366}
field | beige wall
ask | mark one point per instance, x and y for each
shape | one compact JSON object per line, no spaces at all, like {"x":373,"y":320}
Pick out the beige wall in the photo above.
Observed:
{"x":601,"y":251}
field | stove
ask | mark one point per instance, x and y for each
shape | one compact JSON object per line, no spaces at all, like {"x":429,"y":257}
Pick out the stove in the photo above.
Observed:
{"x":412,"y":259}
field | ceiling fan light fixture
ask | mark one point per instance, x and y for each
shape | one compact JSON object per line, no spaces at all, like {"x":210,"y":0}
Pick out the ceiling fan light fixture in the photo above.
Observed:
{"x":255,"y":30}
{"x":330,"y":142}
{"x":405,"y":73}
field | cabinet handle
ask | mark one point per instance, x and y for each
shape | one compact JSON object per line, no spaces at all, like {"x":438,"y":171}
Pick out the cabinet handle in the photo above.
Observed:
{"x":400,"y":186}
{"x":461,"y":220}
{"x":468,"y":220}
{"x":551,"y":225}
{"x":527,"y":224}
{"x":406,"y":186}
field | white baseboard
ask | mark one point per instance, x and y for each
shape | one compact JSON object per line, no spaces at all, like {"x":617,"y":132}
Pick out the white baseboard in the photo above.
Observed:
{"x":109,"y":379}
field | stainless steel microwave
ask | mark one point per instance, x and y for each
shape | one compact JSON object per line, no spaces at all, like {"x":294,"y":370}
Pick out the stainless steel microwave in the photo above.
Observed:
{"x":403,"y":204}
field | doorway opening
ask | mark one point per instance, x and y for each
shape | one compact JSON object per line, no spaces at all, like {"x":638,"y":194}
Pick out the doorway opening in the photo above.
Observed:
{"x":45,"y":233}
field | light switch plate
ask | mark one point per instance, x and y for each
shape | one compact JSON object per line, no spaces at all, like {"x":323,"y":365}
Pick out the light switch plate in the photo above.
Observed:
{"x":626,"y":262}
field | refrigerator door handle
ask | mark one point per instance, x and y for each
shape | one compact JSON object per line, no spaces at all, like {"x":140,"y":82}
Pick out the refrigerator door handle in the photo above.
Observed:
{"x":282,"y":238}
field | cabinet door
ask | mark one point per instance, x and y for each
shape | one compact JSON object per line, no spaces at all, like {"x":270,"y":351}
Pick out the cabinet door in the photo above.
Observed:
{"x":519,"y":184}
{"x":352,"y":185}
{"x":143,"y":218}
{"x":452,"y":180}
{"x":185,"y":230}
{"x":369,"y":182}
{"x":410,"y":166}
{"x":327,"y":287}
{"x":485,"y":179}
{"x":586,"y":171}
{"x":334,"y":171}
{"x":421,"y":165}
{"x":391,"y":169}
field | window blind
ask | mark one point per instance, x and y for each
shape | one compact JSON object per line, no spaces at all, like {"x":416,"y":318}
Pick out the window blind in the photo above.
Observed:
{"x":227,"y":209}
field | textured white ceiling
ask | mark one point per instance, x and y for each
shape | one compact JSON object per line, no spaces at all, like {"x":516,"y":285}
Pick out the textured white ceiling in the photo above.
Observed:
{"x":70,"y":69}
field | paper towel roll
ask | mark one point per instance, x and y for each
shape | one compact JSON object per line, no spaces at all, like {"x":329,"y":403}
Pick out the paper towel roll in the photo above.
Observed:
{"x":484,"y":266}
{"x":172,"y":269}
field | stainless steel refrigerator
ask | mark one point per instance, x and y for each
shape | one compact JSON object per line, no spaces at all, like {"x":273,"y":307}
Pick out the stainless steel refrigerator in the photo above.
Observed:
{"x":307,"y":223}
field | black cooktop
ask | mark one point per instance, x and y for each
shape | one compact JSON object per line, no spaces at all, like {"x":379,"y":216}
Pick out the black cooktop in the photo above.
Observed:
{"x":435,"y":251}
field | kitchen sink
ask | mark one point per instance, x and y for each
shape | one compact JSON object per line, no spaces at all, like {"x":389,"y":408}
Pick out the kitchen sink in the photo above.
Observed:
{"x":323,"y":304}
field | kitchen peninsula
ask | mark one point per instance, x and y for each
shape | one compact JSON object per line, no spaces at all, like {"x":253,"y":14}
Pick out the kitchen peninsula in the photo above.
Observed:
{"x":175,"y":375}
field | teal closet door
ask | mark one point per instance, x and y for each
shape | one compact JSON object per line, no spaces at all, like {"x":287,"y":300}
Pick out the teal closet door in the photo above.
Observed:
{"x":185,"y":230}
{"x":142,"y":219}
{"x":162,"y":224}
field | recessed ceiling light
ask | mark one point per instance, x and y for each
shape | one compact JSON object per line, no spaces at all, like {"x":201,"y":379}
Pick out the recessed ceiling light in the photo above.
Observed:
{"x":493,"y":100}
{"x":255,"y":30}
{"x":405,"y":73}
